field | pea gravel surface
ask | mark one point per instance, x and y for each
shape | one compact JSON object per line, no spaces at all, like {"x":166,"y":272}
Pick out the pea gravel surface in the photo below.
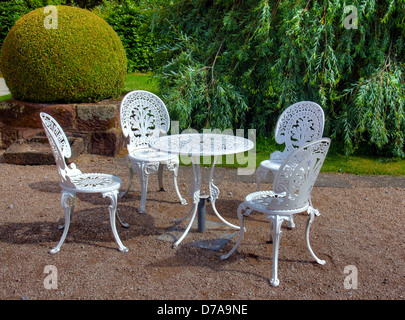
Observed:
{"x":360,"y":234}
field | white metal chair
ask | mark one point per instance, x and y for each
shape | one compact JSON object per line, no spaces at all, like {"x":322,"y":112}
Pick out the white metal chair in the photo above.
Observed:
{"x":291,"y":194}
{"x":143,"y":118}
{"x":300,"y":123}
{"x":74,"y":181}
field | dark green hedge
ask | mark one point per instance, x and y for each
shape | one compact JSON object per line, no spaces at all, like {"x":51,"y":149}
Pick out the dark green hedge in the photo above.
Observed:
{"x":130,"y":20}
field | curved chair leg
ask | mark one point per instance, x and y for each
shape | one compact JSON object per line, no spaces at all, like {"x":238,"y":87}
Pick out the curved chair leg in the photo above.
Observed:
{"x":312,"y":213}
{"x":174,"y":166}
{"x":71,"y":203}
{"x":143,"y":176}
{"x":276,"y":235}
{"x":290,"y":223}
{"x":123,"y":223}
{"x":131,"y":175}
{"x":113,"y":210}
{"x":261,"y":174}
{"x":67,"y":201}
{"x":143,"y":169}
{"x":241,"y":208}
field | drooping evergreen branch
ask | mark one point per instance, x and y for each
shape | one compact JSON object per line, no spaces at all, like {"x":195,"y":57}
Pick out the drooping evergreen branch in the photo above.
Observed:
{"x":232,"y":64}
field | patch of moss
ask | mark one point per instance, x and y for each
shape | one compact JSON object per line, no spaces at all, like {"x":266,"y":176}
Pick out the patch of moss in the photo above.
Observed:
{"x":82,"y":60}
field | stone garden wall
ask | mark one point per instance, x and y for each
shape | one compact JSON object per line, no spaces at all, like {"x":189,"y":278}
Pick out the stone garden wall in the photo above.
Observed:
{"x":96,"y":124}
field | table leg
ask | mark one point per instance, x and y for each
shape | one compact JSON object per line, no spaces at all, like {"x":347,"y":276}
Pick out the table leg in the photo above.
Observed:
{"x":199,"y":202}
{"x":214,"y":193}
{"x":196,"y":198}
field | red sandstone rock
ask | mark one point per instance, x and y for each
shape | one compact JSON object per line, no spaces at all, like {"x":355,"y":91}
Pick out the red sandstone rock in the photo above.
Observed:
{"x":97,"y":124}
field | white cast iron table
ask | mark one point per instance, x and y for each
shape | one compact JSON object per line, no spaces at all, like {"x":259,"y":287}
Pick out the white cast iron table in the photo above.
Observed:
{"x":196,"y":145}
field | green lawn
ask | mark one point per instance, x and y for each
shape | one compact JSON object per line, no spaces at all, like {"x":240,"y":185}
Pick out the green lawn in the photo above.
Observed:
{"x":335,"y":162}
{"x":141,"y":81}
{"x":138,"y":81}
{"x":8,"y":96}
{"x":359,"y":165}
{"x":362,"y":165}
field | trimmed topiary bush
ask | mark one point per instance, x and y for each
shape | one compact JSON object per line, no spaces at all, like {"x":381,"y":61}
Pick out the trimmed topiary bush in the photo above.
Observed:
{"x":81,"y":60}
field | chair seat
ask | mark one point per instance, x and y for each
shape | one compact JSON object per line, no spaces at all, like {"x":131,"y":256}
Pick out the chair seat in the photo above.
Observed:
{"x":272,"y":165}
{"x":151,"y":155}
{"x":271,"y":203}
{"x":93,"y":183}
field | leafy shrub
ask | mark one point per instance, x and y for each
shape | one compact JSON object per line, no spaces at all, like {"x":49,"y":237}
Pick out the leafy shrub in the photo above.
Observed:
{"x":82,"y":60}
{"x":130,"y":20}
{"x":10,"y":12}
{"x":231,"y":63}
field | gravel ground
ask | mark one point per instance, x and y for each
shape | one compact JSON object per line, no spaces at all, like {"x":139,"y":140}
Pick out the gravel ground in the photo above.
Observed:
{"x":361,"y":228}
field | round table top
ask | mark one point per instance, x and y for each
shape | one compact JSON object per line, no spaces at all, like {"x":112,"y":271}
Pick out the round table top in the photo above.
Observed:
{"x":202,"y":144}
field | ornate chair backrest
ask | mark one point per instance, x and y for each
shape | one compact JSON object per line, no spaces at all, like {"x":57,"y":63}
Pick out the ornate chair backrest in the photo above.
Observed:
{"x":298,"y":173}
{"x":60,"y":148}
{"x":143,"y":118}
{"x":300,"y":123}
